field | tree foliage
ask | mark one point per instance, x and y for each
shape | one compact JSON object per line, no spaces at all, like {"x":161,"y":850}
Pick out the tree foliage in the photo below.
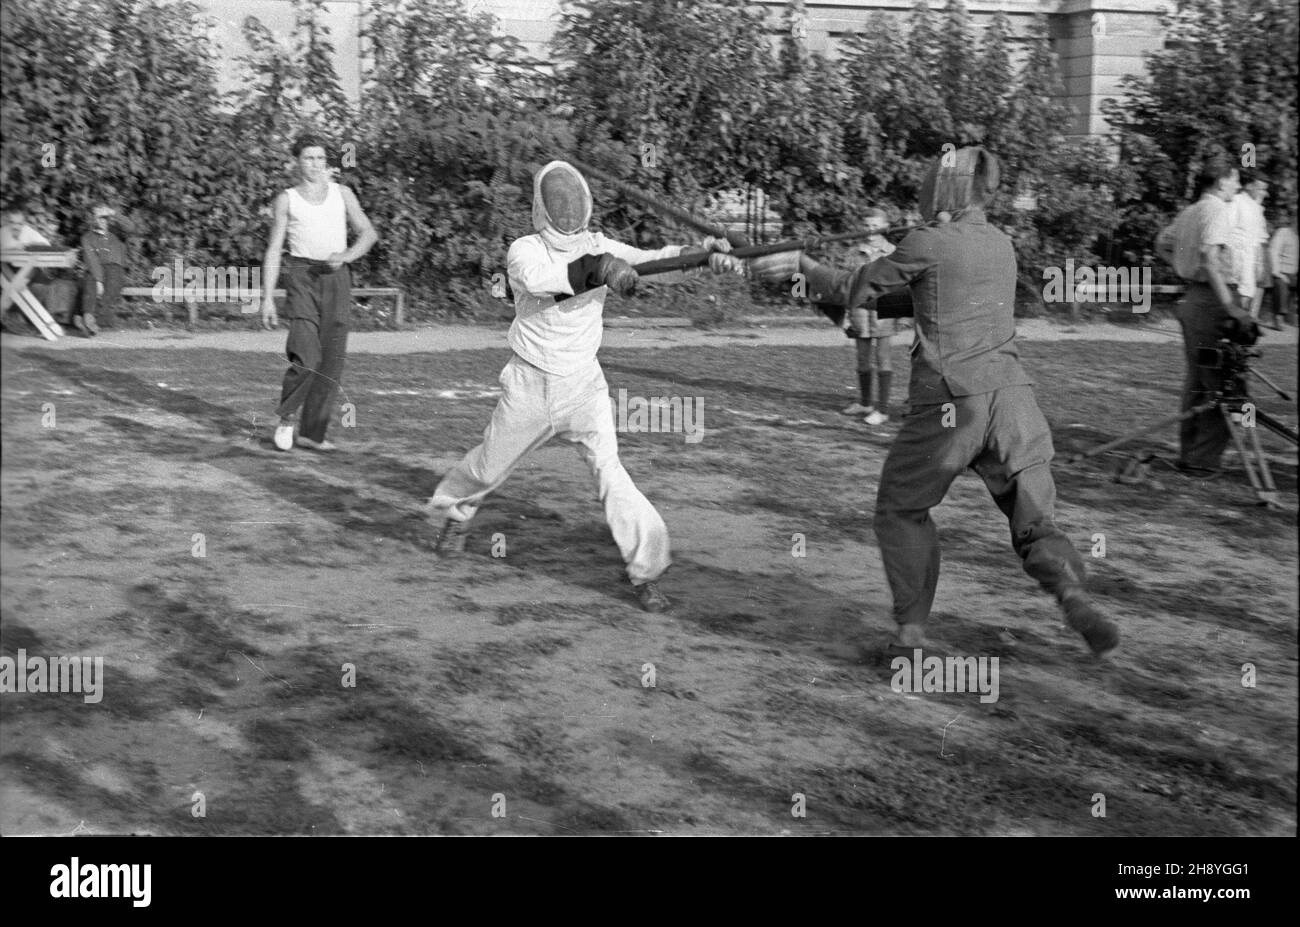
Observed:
{"x":677,"y":88}
{"x":1225,"y":82}
{"x":684,"y":99}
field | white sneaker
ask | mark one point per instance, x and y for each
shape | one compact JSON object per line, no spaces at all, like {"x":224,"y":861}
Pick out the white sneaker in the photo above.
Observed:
{"x":284,"y":436}
{"x":859,"y":409}
{"x":876,"y":418}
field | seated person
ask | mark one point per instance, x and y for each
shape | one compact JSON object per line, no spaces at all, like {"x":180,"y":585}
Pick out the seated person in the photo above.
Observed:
{"x":56,"y":294}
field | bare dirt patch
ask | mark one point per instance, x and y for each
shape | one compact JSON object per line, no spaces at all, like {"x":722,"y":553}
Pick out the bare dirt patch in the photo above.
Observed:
{"x":521,"y":677}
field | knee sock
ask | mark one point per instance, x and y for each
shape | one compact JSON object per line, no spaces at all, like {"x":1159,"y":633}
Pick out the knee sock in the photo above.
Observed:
{"x":882,"y":405}
{"x":864,"y":386}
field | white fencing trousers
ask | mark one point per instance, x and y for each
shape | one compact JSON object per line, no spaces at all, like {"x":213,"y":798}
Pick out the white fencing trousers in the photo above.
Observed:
{"x":535,"y":407}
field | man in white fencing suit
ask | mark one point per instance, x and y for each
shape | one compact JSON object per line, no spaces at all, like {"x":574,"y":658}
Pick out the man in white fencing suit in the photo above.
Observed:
{"x":554,"y":385}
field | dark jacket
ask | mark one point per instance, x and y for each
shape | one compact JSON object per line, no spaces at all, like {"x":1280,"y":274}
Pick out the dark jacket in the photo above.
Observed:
{"x":98,"y":249}
{"x":962,"y":276}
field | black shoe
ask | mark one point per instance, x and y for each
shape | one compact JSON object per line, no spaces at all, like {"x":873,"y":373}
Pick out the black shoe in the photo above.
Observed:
{"x":651,"y":599}
{"x":451,"y":539}
{"x":1099,"y":631}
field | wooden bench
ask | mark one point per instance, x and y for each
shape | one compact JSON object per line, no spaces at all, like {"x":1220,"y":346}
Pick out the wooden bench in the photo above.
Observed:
{"x":234,"y":295}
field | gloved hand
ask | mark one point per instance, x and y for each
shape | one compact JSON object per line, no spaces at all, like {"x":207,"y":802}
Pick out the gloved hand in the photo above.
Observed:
{"x":716,"y":244}
{"x":593,"y":270}
{"x":721,"y":263}
{"x":616,"y":274}
{"x":775,"y":268}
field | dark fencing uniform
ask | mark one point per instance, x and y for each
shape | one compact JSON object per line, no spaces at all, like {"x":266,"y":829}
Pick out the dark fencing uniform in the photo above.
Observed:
{"x":971,"y":406}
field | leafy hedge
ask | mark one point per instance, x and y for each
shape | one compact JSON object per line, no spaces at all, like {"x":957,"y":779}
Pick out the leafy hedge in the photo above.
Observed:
{"x":681,"y":98}
{"x":1226,"y":83}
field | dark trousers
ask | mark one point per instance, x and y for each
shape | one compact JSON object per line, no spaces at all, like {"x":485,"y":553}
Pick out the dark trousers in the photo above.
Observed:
{"x":320,"y":307}
{"x":103,"y":308}
{"x":1202,"y":438}
{"x":1003,"y":436}
{"x":1282,"y":296}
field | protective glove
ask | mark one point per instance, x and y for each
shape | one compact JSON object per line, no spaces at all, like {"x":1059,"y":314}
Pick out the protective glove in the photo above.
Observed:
{"x":616,"y":274}
{"x":593,"y":270}
{"x":721,"y":263}
{"x":774,"y":268}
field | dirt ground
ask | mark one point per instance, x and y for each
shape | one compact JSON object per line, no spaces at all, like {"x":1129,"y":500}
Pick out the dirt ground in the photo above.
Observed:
{"x":507,"y":694}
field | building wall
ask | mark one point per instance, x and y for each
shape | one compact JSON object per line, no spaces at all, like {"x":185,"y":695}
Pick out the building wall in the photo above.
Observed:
{"x":1098,"y":42}
{"x":343,"y":19}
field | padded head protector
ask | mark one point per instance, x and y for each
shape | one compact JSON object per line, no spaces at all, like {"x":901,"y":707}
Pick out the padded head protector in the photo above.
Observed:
{"x":959,"y":179}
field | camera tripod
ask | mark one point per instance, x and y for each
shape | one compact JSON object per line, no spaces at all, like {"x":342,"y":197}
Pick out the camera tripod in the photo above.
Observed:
{"x":1240,"y":415}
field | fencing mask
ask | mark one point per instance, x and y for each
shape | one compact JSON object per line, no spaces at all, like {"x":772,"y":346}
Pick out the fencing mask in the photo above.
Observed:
{"x":959,"y":179}
{"x":561,"y":205}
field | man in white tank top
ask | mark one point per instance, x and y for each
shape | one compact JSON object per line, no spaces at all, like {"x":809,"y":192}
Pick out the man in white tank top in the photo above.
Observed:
{"x":314,"y":217}
{"x":554,"y":386}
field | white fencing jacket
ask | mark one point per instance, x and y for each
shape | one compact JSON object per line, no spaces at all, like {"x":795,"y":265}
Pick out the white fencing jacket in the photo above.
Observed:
{"x":554,"y":328}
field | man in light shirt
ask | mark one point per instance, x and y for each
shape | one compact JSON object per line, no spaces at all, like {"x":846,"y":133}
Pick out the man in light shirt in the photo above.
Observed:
{"x":554,"y":386}
{"x":314,"y":217}
{"x":1250,"y":243}
{"x":1198,"y":247}
{"x":1282,"y":263}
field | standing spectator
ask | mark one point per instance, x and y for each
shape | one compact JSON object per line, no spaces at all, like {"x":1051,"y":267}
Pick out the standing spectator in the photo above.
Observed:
{"x":1282,"y":263}
{"x":872,"y":335}
{"x":313,"y":218}
{"x":1249,"y":242}
{"x":104,"y":255}
{"x":1197,"y":246}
